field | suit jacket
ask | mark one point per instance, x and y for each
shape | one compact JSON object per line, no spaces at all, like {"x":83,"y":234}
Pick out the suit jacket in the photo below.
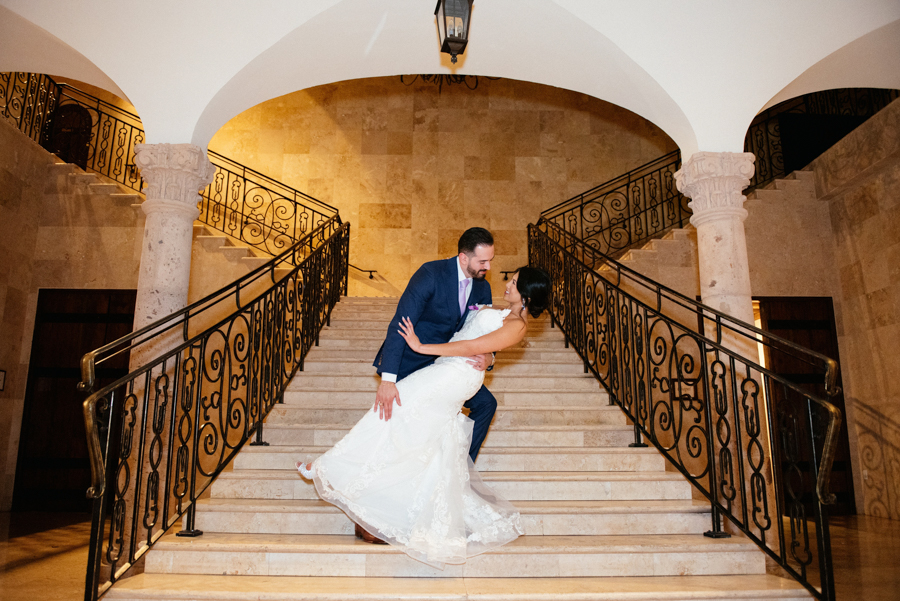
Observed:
{"x":431,"y":301}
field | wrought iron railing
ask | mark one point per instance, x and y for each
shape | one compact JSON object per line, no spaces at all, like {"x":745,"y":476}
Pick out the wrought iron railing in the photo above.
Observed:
{"x":763,"y":137}
{"x":627,"y":210}
{"x":240,"y":202}
{"x":172,"y":425}
{"x":34,"y":103}
{"x":28,"y":100}
{"x":749,"y":440}
{"x":257,"y":209}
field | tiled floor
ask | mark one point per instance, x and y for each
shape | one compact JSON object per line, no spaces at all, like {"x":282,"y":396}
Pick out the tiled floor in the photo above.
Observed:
{"x":43,"y":557}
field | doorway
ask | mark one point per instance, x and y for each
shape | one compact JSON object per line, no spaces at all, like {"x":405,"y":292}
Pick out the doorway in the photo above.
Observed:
{"x":53,"y":472}
{"x":809,"y":321}
{"x":70,"y":134}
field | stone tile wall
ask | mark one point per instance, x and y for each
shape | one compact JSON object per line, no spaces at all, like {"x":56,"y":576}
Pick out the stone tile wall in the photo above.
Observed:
{"x":412,"y":168}
{"x":52,"y":235}
{"x":860,"y":179}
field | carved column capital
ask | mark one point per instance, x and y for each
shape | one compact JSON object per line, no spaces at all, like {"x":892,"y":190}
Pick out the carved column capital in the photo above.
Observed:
{"x":714,"y":182}
{"x":174,"y":174}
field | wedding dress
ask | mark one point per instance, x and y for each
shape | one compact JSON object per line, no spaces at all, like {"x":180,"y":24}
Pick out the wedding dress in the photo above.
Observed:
{"x":409,"y":480}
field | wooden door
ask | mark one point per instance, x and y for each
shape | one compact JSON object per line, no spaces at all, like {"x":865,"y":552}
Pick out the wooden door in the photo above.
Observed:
{"x":53,"y":472}
{"x":809,"y":321}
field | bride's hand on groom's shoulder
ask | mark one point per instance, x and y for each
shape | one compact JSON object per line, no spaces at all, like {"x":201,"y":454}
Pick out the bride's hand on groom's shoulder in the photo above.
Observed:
{"x":409,"y":334}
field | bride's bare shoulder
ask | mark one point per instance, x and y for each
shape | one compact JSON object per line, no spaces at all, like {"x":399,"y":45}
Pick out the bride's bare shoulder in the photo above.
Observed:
{"x":514,"y":319}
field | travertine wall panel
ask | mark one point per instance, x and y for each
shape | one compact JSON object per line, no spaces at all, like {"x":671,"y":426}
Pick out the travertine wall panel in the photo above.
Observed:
{"x":411,"y":168}
{"x":860,"y":179}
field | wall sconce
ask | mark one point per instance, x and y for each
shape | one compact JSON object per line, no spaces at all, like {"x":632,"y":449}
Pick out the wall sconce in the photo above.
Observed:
{"x":453,"y":25}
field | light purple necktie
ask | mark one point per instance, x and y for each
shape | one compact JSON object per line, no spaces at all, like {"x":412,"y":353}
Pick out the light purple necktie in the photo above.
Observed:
{"x":463,"y":285}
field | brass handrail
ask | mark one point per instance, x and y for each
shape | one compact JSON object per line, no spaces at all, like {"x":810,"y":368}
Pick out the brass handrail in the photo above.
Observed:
{"x":706,"y":407}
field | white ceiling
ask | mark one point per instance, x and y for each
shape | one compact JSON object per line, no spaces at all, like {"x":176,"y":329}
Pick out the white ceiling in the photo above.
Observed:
{"x":700,"y":69}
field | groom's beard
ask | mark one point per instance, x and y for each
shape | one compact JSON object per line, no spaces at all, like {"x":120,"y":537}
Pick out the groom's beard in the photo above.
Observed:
{"x":476,"y":275}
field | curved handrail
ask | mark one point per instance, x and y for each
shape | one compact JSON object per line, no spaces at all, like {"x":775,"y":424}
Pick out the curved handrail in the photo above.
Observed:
{"x":176,"y":422}
{"x":182,"y":317}
{"x":558,"y":209}
{"x":723,"y":321}
{"x":722,"y":419}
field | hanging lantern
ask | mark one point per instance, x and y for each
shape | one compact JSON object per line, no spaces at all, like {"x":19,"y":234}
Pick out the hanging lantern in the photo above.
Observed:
{"x":453,"y":25}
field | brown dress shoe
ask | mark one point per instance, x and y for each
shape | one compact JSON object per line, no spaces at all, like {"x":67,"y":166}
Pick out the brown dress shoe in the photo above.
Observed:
{"x":361,"y":533}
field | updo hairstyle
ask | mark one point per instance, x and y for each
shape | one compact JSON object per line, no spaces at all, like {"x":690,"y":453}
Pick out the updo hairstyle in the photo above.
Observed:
{"x":534,"y":286}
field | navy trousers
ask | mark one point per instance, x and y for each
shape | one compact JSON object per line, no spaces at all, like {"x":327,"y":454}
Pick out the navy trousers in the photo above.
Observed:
{"x":481,"y":408}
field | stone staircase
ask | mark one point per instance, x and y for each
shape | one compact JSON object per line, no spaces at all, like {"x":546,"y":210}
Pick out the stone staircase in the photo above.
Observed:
{"x":603,"y":521}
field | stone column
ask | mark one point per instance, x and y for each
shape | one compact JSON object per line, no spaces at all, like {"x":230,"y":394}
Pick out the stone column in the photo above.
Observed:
{"x":714,"y":181}
{"x":174,"y":174}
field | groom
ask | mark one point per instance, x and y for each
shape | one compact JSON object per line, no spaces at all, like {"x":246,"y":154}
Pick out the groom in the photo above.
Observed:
{"x":437,"y":300}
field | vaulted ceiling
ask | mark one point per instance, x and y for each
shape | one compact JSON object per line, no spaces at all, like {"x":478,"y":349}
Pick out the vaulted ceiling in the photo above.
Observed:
{"x":699,"y":69}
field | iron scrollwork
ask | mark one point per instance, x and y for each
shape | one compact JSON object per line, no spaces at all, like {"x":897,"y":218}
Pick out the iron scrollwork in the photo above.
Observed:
{"x":182,"y":417}
{"x":736,"y":431}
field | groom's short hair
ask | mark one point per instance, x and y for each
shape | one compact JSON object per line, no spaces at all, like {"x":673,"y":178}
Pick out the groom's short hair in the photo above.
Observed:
{"x":473,"y":238}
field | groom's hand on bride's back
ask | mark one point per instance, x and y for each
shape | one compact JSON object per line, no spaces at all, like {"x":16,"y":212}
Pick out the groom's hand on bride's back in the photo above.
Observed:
{"x":384,"y":400}
{"x":481,"y":362}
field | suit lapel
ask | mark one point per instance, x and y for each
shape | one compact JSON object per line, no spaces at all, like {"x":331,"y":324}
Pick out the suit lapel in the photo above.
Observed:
{"x":452,"y":283}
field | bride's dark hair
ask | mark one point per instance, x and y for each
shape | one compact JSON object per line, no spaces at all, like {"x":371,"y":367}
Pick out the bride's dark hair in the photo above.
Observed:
{"x":534,"y":286}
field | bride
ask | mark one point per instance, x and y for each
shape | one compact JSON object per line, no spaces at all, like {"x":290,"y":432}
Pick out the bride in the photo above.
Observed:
{"x":410,"y":481}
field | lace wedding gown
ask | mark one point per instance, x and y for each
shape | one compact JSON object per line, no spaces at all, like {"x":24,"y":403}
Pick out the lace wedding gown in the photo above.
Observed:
{"x":409,"y":480}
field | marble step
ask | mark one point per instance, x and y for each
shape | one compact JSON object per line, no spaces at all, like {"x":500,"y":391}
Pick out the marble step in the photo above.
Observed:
{"x":539,"y":518}
{"x":370,"y":321}
{"x":330,"y":340}
{"x":531,"y":355}
{"x":501,"y":366}
{"x":530,"y":398}
{"x":603,"y":435}
{"x":496,"y":459}
{"x":544,"y":556}
{"x":180,"y":587}
{"x":507,"y":416}
{"x":378,"y":333}
{"x":514,"y":486}
{"x":501,"y":381}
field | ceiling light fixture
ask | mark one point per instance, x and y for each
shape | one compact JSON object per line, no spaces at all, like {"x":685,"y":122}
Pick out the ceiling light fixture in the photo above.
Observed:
{"x":453,"y":26}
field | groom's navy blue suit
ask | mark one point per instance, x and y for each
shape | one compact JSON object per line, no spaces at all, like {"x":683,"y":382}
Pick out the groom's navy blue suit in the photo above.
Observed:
{"x":431,"y":301}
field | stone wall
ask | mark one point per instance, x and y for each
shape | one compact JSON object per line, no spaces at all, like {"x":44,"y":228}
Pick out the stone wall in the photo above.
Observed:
{"x":860,"y":179}
{"x":411,"y":168}
{"x":56,"y":233}
{"x":52,"y":235}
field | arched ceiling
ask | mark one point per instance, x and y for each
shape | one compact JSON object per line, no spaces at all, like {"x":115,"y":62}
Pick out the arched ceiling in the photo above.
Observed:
{"x":699,"y":69}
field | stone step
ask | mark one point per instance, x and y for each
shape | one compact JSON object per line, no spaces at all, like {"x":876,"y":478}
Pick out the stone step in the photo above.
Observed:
{"x":496,"y":459}
{"x":597,"y":399}
{"x":501,"y":366}
{"x":179,"y":587}
{"x":544,"y":556}
{"x":333,"y":341}
{"x":531,"y":355}
{"x":540,"y":518}
{"x":514,"y":486}
{"x":234,"y":253}
{"x":496,"y":379}
{"x":507,"y":416}
{"x":378,"y":333}
{"x":603,"y":435}
{"x":368,"y":320}
{"x":101,"y":187}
